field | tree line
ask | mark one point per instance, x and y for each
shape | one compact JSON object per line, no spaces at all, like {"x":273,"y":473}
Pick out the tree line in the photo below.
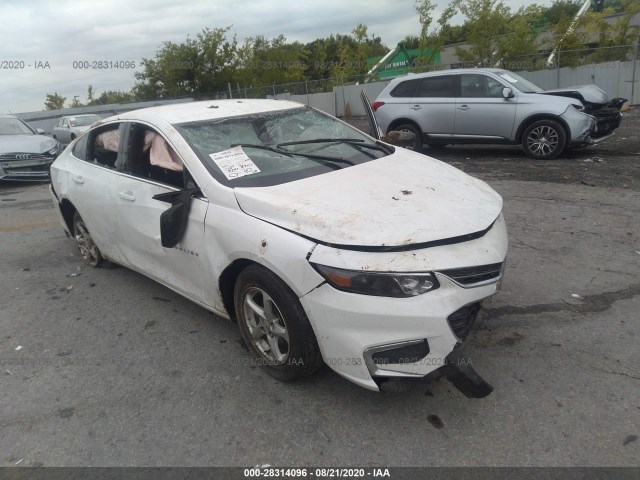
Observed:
{"x":491,"y":34}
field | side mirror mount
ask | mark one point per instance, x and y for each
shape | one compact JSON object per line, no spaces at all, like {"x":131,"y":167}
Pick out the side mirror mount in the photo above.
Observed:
{"x":507,"y":92}
{"x":40,"y":131}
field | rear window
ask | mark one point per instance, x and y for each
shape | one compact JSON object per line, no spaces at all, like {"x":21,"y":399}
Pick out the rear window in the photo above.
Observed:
{"x":405,"y":89}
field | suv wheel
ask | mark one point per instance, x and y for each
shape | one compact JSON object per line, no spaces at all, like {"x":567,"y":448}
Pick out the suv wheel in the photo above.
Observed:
{"x":416,"y":146}
{"x":544,"y":139}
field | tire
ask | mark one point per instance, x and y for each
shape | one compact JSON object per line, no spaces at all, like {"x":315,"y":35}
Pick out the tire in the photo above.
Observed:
{"x":544,"y":140}
{"x":282,"y":340}
{"x":409,"y":127}
{"x":88,"y":249}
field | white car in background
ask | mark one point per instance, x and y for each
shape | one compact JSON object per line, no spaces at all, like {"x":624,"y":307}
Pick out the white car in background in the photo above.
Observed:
{"x":324,"y":244}
{"x":71,"y":126}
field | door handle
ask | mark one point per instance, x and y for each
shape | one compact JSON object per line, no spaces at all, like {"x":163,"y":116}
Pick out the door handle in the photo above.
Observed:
{"x":128,"y":195}
{"x":464,"y":107}
{"x":416,"y":107}
{"x":77,"y":179}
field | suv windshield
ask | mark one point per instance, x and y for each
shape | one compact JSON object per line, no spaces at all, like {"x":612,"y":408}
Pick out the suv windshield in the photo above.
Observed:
{"x":14,"y":126}
{"x":270,"y":148}
{"x":522,"y":84}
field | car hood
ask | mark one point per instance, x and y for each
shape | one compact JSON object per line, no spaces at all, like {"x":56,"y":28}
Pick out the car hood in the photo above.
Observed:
{"x":399,"y":200}
{"x":584,"y":93}
{"x":26,"y":143}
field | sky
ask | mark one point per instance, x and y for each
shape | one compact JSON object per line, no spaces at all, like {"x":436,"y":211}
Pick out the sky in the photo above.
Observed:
{"x":40,"y":39}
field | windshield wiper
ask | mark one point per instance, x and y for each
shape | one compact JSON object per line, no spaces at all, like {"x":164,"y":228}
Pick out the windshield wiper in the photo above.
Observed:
{"x":323,"y":158}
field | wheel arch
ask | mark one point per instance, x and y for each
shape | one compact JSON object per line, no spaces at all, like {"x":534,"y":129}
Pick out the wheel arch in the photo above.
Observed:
{"x":227,"y":283}
{"x":67,"y":209}
{"x":542,"y":116}
{"x":400,"y":121}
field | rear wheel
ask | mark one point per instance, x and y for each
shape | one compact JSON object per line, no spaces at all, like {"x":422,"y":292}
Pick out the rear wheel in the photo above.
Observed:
{"x":88,"y":249}
{"x":416,"y":146}
{"x":274,"y":325}
{"x":544,"y":139}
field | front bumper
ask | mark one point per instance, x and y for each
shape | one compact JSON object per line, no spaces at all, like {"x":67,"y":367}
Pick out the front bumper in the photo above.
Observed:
{"x":351,"y":329}
{"x":36,"y":169}
{"x":354,"y":331}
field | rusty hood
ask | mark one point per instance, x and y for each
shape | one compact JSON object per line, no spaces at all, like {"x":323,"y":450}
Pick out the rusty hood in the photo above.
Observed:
{"x":400,"y":200}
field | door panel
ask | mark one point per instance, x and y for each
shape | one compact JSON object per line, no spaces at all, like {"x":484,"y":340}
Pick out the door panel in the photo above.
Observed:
{"x":433,"y":107}
{"x":481,"y":110}
{"x":183,"y":267}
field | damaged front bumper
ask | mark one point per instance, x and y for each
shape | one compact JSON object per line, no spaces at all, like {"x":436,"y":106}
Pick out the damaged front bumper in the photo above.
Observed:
{"x":375,"y":340}
{"x":32,"y":169}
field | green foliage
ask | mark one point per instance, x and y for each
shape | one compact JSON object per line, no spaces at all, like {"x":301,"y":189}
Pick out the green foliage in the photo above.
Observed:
{"x":54,"y":101}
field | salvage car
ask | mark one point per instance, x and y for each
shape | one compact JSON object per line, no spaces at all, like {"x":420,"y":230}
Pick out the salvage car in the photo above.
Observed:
{"x":489,"y":105}
{"x":69,"y":127}
{"x":323,"y":243}
{"x":25,"y":153}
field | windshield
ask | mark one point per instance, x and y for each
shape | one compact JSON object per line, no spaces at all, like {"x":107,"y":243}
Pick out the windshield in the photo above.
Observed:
{"x":270,"y":148}
{"x":522,"y":84}
{"x":83,"y":120}
{"x":14,"y":126}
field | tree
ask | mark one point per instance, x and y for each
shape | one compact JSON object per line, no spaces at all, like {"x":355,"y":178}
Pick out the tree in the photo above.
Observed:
{"x":54,"y":101}
{"x":75,"y":103}
{"x":89,"y":94}
{"x":487,"y":20}
{"x":197,"y":66}
{"x":431,"y":41}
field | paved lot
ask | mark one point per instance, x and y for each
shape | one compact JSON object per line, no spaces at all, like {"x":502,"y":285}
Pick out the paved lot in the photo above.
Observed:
{"x":117,"y":370}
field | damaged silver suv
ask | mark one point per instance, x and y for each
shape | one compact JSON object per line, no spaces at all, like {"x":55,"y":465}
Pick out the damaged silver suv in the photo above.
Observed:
{"x":495,"y":106}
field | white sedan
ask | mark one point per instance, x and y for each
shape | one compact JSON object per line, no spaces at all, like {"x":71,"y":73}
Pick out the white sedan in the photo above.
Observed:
{"x":324,"y":244}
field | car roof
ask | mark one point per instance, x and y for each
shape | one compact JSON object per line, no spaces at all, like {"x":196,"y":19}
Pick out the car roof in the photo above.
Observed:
{"x":81,"y":115}
{"x":206,"y":110}
{"x":449,"y":72}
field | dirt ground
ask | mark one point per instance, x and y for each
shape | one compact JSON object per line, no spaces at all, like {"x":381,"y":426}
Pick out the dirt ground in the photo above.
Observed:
{"x":613,"y":163}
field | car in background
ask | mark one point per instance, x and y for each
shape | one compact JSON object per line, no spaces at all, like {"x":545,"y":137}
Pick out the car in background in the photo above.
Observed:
{"x":25,"y":153}
{"x":71,"y":126}
{"x":489,"y":105}
{"x":323,"y":243}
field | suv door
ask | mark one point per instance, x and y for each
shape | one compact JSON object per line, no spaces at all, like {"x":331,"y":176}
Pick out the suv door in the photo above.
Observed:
{"x":481,"y":109}
{"x":433,"y":107}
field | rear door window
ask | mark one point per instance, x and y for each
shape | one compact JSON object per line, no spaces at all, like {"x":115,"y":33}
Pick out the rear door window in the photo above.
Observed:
{"x":439,"y":86}
{"x":405,"y":89}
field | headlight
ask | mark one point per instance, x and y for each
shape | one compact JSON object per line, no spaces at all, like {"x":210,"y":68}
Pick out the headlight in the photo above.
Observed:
{"x":579,"y":108}
{"x":381,"y":284}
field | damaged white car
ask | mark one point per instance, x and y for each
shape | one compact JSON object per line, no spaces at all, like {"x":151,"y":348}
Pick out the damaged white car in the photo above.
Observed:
{"x":324,"y":244}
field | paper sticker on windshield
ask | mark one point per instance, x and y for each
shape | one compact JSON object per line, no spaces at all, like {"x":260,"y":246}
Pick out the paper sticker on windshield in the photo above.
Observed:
{"x":509,"y":78}
{"x":234,"y":163}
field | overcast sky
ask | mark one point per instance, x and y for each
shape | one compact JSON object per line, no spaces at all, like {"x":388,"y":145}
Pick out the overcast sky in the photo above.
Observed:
{"x":43,"y":38}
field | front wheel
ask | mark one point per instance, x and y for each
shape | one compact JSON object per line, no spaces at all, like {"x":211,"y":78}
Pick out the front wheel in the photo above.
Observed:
{"x":416,"y":146}
{"x":274,"y":325}
{"x":88,"y":249}
{"x":544,"y":140}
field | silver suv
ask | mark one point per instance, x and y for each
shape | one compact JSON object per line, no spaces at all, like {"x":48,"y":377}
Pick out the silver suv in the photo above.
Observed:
{"x":495,"y":106}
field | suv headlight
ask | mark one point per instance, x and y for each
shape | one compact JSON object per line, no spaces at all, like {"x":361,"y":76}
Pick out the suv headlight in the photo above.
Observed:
{"x":381,"y":284}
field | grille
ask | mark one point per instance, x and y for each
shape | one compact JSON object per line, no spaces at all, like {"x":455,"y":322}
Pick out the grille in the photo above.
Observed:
{"x":32,"y":156}
{"x":471,"y":275}
{"x":461,"y":321}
